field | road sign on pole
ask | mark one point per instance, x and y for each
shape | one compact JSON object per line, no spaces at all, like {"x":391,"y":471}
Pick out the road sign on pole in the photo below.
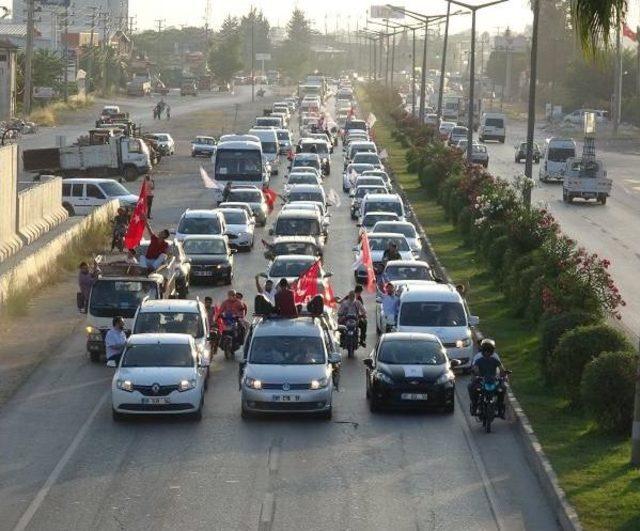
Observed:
{"x":263,"y":57}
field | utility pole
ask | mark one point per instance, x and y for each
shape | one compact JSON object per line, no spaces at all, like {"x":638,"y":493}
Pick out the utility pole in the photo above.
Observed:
{"x":617,"y":97}
{"x":443,"y":63}
{"x":386,"y":70}
{"x":531,"y":118}
{"x":28,"y":60}
{"x":104,"y":19}
{"x":393,"y":56}
{"x":253,"y":58}
{"x":638,"y":61}
{"x":65,"y":25}
{"x":92,"y":21}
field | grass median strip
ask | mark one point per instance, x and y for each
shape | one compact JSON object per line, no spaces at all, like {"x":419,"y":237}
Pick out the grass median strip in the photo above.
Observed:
{"x":592,"y":467}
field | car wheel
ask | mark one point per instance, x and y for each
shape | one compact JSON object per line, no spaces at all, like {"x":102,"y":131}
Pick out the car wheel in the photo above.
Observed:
{"x":197,"y":415}
{"x":117,"y":416}
{"x":229,"y":278}
{"x":245,"y":413}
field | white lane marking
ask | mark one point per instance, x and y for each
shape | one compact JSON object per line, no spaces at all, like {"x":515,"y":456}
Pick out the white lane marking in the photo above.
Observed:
{"x":28,"y":515}
{"x":266,"y":511}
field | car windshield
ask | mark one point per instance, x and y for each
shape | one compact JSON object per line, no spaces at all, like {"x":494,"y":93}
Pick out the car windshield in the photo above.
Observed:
{"x":297,"y":227}
{"x":311,"y":163}
{"x":235,"y":217}
{"x":314,"y":147}
{"x":302,"y":178}
{"x":362,"y":191}
{"x":234,"y":164}
{"x":370,"y":220}
{"x":289,"y":267}
{"x":384,"y":206}
{"x":406,"y":272}
{"x":162,"y":138}
{"x":204,"y":247}
{"x":287,"y":350}
{"x":458,"y":131}
{"x":113,"y":189}
{"x":158,"y":355}
{"x":294,"y":196}
{"x":442,"y":314}
{"x":269,"y":122}
{"x":283,"y":135}
{"x":119,"y":297}
{"x":269,"y":147}
{"x":169,"y":323}
{"x":377,"y":243}
{"x":205,"y":141}
{"x":358,"y":168}
{"x":199,"y":226}
{"x":560,"y":154}
{"x":357,"y":125}
{"x":414,"y":352}
{"x":367,"y":158}
{"x":245,"y":196}
{"x":407,"y":230}
{"x":302,"y":248}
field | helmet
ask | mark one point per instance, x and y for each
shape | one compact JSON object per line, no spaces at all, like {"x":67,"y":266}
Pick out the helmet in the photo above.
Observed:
{"x":488,"y":345}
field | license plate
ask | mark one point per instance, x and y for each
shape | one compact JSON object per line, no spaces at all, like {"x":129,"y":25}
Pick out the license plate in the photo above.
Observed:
{"x":203,"y":273}
{"x":285,"y":398}
{"x":155,"y":401}
{"x":413,"y":396}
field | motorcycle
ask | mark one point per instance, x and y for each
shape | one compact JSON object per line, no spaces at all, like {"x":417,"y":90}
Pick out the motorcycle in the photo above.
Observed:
{"x":489,"y":401}
{"x":230,"y":339}
{"x":349,"y":335}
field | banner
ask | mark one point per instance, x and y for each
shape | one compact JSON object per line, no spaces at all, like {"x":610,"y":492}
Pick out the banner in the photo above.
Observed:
{"x":138,"y":220}
{"x":208,"y":181}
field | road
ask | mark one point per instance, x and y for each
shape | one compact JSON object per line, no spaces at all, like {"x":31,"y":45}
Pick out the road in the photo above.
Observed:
{"x":610,"y":230}
{"x":66,"y":465}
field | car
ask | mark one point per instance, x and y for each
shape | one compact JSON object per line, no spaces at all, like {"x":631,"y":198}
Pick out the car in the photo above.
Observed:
{"x":240,"y":227}
{"x":168,"y":316}
{"x":493,"y":126}
{"x":295,"y":178}
{"x":81,"y":195}
{"x":379,"y":173}
{"x":439,"y":309}
{"x":367,"y":180}
{"x":359,"y":192}
{"x":410,"y":370}
{"x":351,"y":172}
{"x":457,"y":133}
{"x":521,"y":152}
{"x":431,"y":119}
{"x":202,"y":222}
{"x":164,"y":142}
{"x":309,"y":160}
{"x":290,"y":266}
{"x":238,"y":204}
{"x":255,"y":198}
{"x":378,"y":244}
{"x":284,"y":141}
{"x":158,"y":374}
{"x":382,"y":203}
{"x":299,"y":222}
{"x":203,"y":146}
{"x":309,"y":205}
{"x":406,"y":228}
{"x":554,"y":158}
{"x":298,"y":245}
{"x":367,"y":158}
{"x":445,"y":129}
{"x":368,"y":221}
{"x":307,"y":192}
{"x":359,"y":146}
{"x":289,"y":367}
{"x":320,"y":147}
{"x":577,"y":117}
{"x":211,"y":258}
{"x":178,"y":265}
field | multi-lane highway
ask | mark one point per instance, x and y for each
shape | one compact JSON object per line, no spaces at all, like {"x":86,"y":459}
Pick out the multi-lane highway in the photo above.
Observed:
{"x":66,"y":465}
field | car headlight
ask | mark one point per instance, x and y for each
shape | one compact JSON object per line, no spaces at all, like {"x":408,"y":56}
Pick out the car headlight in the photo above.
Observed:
{"x":93,"y":334}
{"x":381,"y":376}
{"x":445,"y":377}
{"x":125,"y":385}
{"x":253,"y":383}
{"x":462,"y":343}
{"x":319,"y":384}
{"x":185,"y":385}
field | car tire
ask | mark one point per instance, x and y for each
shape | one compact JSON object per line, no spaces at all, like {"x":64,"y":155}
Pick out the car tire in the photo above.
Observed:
{"x":502,"y":140}
{"x":117,"y":416}
{"x":245,"y":413}
{"x":196,"y":416}
{"x":229,"y":278}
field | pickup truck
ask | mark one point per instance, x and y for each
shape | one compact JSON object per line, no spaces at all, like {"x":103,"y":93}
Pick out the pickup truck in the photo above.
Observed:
{"x":585,"y":179}
{"x":121,"y":156}
{"x":139,"y":87}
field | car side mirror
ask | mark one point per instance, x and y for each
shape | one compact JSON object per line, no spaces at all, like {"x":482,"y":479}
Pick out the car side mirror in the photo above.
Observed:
{"x":455,"y":363}
{"x":474,"y":320}
{"x":368,"y":363}
{"x":112,"y":364}
{"x":335,"y":358}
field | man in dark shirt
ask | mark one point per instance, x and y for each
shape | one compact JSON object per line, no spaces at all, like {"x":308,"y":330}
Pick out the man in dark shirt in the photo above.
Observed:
{"x":391,"y":253}
{"x":285,"y":300}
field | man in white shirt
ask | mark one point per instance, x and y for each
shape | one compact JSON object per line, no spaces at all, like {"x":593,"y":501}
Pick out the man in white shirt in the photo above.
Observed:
{"x":269,"y":291}
{"x":115,"y":340}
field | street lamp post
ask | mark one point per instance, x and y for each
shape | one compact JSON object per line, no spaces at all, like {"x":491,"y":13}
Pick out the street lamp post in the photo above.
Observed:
{"x":443,"y":64}
{"x":472,"y":66}
{"x":531,"y":116}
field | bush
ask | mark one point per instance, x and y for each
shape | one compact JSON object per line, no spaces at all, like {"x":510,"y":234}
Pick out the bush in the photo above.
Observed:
{"x":496,"y":253}
{"x":553,"y":327}
{"x":465,"y":222}
{"x":578,"y":347}
{"x":607,"y":390}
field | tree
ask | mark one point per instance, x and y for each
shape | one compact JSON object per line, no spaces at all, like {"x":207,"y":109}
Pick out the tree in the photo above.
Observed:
{"x":261,"y":41}
{"x":558,"y":47}
{"x":596,"y":20}
{"x":225,"y":57}
{"x":295,"y":52}
{"x":47,"y":69}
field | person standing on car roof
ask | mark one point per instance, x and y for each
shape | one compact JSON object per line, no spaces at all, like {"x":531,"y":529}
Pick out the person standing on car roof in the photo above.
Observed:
{"x":151,"y":186}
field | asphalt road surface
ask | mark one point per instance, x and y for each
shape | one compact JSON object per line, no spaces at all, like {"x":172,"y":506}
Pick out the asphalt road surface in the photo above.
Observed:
{"x":66,"y":465}
{"x":610,"y":230}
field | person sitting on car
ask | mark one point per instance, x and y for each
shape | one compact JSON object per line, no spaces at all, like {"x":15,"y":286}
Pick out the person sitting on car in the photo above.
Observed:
{"x":157,"y":251}
{"x":285,"y":300}
{"x":391,"y":253}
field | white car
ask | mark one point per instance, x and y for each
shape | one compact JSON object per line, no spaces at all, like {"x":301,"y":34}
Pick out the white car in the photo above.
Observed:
{"x":291,"y":266}
{"x":203,"y":146}
{"x":166,"y":145}
{"x":158,"y":374}
{"x":457,"y":133}
{"x":201,"y":223}
{"x":406,"y":228}
{"x":351,"y":173}
{"x":255,"y":198}
{"x":301,"y":178}
{"x":371,"y":218}
{"x":368,"y":158}
{"x":378,"y":244}
{"x":240,"y":227}
{"x":445,"y":129}
{"x":81,"y":195}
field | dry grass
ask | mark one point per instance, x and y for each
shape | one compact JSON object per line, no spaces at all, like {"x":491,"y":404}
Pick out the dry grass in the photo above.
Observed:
{"x":49,"y":114}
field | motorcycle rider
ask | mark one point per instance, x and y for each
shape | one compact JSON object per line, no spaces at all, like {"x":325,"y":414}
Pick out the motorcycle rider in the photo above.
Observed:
{"x":351,"y":307}
{"x":226,"y":191}
{"x":390,"y":303}
{"x":232,"y":310}
{"x":486,"y":364}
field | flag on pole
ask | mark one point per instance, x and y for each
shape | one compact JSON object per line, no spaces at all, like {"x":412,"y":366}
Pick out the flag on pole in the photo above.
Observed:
{"x":367,"y":262}
{"x":384,"y":155}
{"x":137,"y":223}
{"x":270,"y":197}
{"x":329,"y":296}
{"x":629,"y":33}
{"x":371,"y":120}
{"x":305,"y":287}
{"x":208,"y":181}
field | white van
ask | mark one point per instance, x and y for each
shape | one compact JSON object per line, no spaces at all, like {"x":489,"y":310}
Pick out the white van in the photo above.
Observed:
{"x":238,"y":159}
{"x":81,"y":195}
{"x":438,"y":309}
{"x":382,"y":203}
{"x":493,"y":126}
{"x":554,"y":158}
{"x":270,"y":146}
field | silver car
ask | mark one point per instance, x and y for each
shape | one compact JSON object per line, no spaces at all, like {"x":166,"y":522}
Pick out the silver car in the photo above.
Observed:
{"x":240,"y":227}
{"x":290,"y":367}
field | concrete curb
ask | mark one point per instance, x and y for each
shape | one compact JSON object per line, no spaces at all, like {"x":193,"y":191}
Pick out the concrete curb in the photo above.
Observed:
{"x":565,"y":513}
{"x":10,"y":247}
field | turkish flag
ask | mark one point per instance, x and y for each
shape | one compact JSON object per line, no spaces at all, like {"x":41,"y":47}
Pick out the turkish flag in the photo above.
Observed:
{"x":367,"y":262}
{"x":271,"y":197}
{"x":329,"y":296}
{"x":629,"y":33}
{"x":305,"y":287}
{"x":137,"y":223}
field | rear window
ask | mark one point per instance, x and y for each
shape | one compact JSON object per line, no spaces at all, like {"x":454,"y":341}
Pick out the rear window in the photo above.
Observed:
{"x":443,"y":314}
{"x":199,"y":226}
{"x":383,"y":206}
{"x":169,"y":323}
{"x":560,"y":154}
{"x":380,"y":244}
{"x":494,"y":122}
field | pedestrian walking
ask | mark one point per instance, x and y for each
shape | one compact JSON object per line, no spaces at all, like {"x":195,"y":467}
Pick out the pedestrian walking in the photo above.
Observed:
{"x":151,"y":186}
{"x":168,"y":111}
{"x":86,"y":280}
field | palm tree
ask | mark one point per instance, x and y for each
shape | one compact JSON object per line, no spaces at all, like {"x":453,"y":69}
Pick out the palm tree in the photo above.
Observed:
{"x":595,"y":21}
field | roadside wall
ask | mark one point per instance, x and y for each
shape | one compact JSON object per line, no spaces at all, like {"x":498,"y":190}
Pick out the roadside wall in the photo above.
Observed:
{"x":10,"y":242}
{"x":40,"y":209}
{"x":36,"y":264}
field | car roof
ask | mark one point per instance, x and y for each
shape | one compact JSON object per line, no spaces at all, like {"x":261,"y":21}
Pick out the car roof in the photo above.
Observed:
{"x":306,"y":156}
{"x":231,"y":209}
{"x":435,"y":292}
{"x":159,"y":338}
{"x":304,"y":257}
{"x":380,"y":213}
{"x":408,"y":263}
{"x":409,"y":336}
{"x":188,"y":237}
{"x":383,"y":197}
{"x":200,"y":213}
{"x":306,"y":188}
{"x":394,"y":235}
{"x":87,"y":180}
{"x":170,"y":305}
{"x":298,"y":326}
{"x":298,"y":239}
{"x":298,"y":213}
{"x":204,"y":137}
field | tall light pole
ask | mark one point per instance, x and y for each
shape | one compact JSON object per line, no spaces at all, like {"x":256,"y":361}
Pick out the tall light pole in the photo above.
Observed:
{"x":531,"y":114}
{"x":28,"y":58}
{"x":443,"y":64}
{"x":413,"y":62}
{"x":472,"y":66}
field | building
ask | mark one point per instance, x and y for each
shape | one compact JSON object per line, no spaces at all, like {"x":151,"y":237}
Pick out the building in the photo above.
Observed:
{"x":17,"y":34}
{"x":7,"y":79}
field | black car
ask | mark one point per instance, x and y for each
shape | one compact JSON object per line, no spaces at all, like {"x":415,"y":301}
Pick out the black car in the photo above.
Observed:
{"x":410,"y":371}
{"x":521,"y":152}
{"x":211,"y":258}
